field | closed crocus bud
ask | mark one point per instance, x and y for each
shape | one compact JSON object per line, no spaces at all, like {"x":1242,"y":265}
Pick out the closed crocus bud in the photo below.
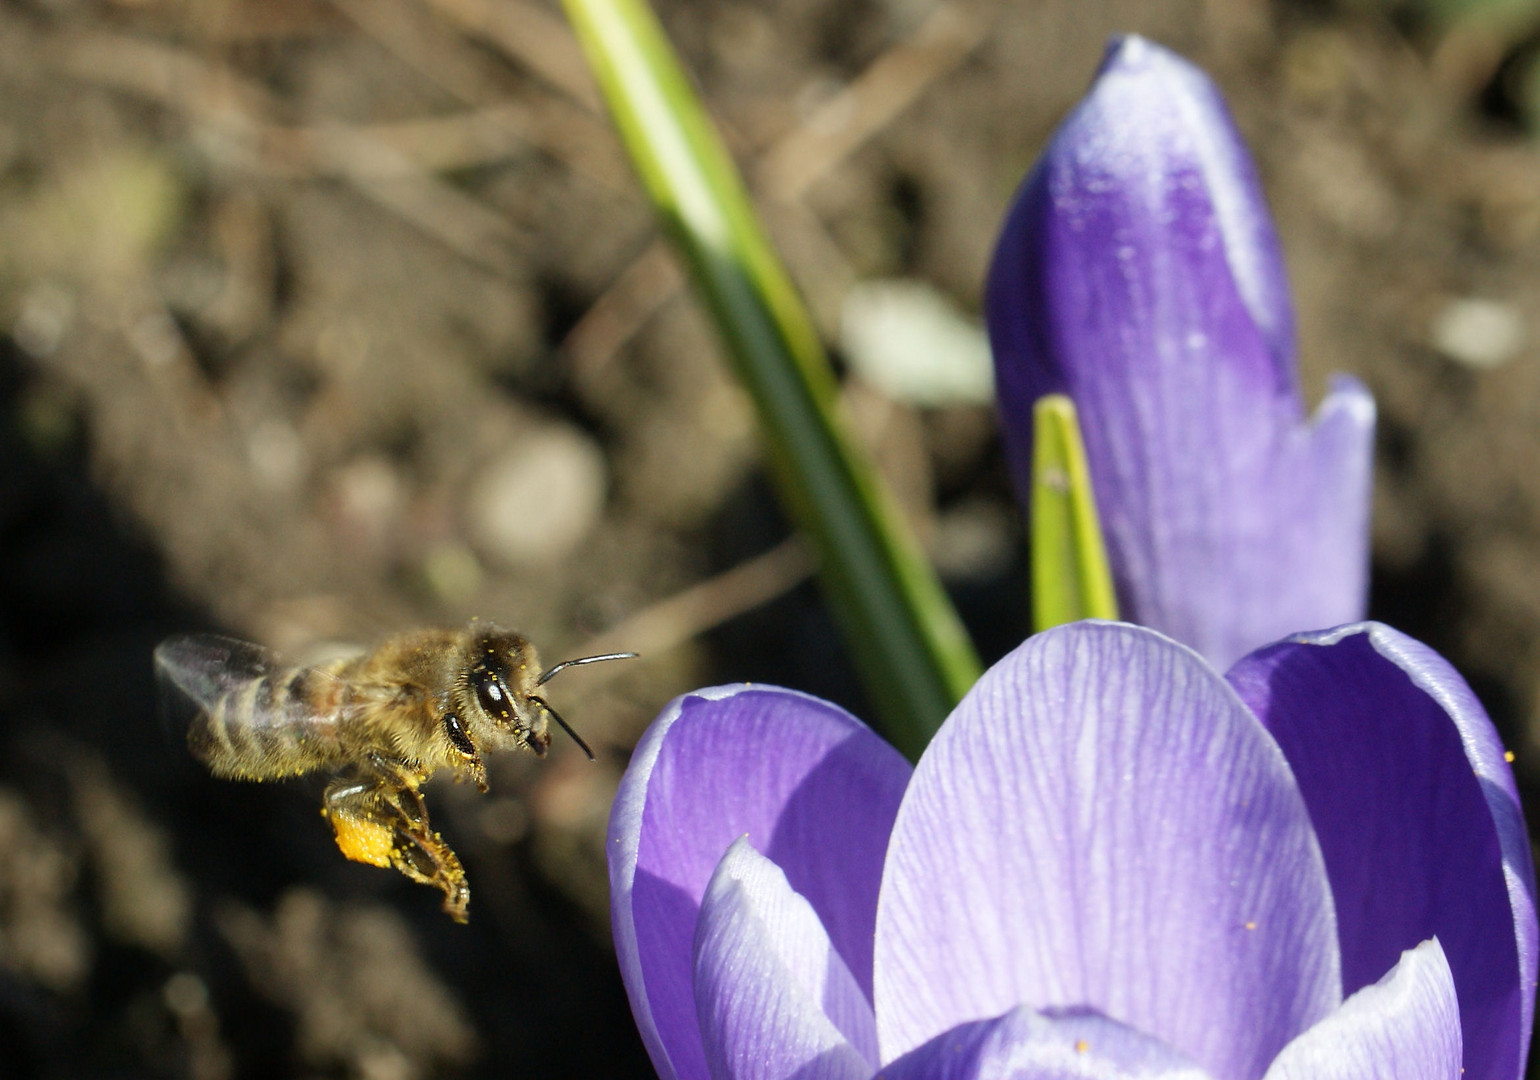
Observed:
{"x":1139,"y":273}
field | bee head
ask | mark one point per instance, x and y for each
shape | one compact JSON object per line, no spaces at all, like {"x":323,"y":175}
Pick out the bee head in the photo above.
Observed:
{"x":501,"y":685}
{"x":498,"y":681}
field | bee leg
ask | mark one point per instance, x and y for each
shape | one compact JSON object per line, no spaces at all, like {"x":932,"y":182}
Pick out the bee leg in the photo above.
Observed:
{"x":380,"y":819}
{"x":422,"y":855}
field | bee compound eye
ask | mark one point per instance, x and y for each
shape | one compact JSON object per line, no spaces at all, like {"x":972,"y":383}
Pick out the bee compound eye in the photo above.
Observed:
{"x":491,"y":696}
{"x":457,"y":735}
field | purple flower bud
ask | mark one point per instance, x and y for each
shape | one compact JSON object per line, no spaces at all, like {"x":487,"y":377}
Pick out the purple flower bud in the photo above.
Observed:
{"x":1139,"y":273}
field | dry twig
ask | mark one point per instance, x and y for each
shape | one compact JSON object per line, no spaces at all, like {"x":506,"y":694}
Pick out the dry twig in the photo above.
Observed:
{"x":688,"y":614}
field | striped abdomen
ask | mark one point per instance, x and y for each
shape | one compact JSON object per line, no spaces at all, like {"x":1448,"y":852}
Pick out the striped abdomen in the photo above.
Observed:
{"x":280,"y":723}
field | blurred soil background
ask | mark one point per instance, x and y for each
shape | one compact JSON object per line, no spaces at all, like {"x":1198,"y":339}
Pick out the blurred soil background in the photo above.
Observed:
{"x":321,"y":319}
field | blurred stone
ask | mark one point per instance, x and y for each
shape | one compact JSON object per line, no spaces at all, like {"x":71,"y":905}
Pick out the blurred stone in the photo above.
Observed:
{"x":186,"y":997}
{"x":911,"y":342}
{"x":537,"y":500}
{"x":369,"y":496}
{"x":47,"y":310}
{"x":1480,"y":334}
{"x":277,"y":454}
{"x":186,"y":994}
{"x":342,"y":347}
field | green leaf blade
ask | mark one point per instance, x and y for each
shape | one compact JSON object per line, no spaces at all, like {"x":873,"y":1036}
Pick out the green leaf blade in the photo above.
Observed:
{"x":910,"y":646}
{"x":1071,"y":579}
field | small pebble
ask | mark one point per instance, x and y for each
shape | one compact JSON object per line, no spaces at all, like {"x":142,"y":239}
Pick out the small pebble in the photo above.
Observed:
{"x":1481,"y":334}
{"x":910,"y":342}
{"x":535,"y":502}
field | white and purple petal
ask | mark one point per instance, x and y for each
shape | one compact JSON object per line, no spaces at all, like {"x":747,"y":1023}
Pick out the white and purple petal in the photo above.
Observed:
{"x":775,"y":1001}
{"x":1102,"y":823}
{"x":1406,"y":1026}
{"x":1418,"y":819}
{"x":812,"y":788}
{"x":1139,"y":273}
{"x":1027,"y":1045}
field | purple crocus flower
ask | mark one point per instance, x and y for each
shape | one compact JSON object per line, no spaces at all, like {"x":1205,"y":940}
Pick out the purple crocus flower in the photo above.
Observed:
{"x":1139,"y":273}
{"x":1111,"y":861}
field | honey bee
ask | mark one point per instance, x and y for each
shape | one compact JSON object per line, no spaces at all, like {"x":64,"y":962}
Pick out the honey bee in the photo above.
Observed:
{"x":383,"y":722}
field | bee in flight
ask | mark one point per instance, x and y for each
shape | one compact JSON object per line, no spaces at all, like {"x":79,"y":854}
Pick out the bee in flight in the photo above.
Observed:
{"x":383,"y":722}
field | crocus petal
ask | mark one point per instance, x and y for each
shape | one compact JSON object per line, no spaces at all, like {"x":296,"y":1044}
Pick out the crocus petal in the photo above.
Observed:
{"x":1407,"y":1026}
{"x":1028,"y":1045}
{"x":1418,"y":819}
{"x":1103,"y":823}
{"x":1139,"y":273}
{"x":775,"y":1000}
{"x":811,"y":786}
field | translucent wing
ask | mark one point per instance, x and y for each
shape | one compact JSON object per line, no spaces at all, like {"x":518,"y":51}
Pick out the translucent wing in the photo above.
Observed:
{"x":206,"y":667}
{"x":247,"y":714}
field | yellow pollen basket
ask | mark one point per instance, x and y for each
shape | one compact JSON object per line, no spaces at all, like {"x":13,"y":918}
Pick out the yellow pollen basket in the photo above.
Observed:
{"x":363,"y":841}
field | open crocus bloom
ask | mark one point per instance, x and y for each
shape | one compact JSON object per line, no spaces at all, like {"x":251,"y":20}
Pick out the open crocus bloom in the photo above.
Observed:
{"x":1139,"y":273}
{"x":1111,"y":861}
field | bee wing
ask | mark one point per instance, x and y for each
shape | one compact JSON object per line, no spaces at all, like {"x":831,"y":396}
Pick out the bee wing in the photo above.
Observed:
{"x":236,"y":705}
{"x":202,"y":668}
{"x":206,"y":667}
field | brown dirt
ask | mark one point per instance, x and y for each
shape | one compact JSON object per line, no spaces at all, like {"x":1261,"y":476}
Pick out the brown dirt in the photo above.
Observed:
{"x":330,"y":319}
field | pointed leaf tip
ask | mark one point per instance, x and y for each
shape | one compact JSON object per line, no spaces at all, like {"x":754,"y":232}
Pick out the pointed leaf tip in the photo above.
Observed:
{"x":1070,"y":575}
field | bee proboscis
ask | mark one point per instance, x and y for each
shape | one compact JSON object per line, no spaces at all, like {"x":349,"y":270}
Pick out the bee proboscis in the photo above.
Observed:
{"x":383,"y":722}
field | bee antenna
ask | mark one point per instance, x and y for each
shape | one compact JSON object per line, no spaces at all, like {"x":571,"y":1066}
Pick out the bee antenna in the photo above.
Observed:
{"x":546,"y":675}
{"x":546,"y":705}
